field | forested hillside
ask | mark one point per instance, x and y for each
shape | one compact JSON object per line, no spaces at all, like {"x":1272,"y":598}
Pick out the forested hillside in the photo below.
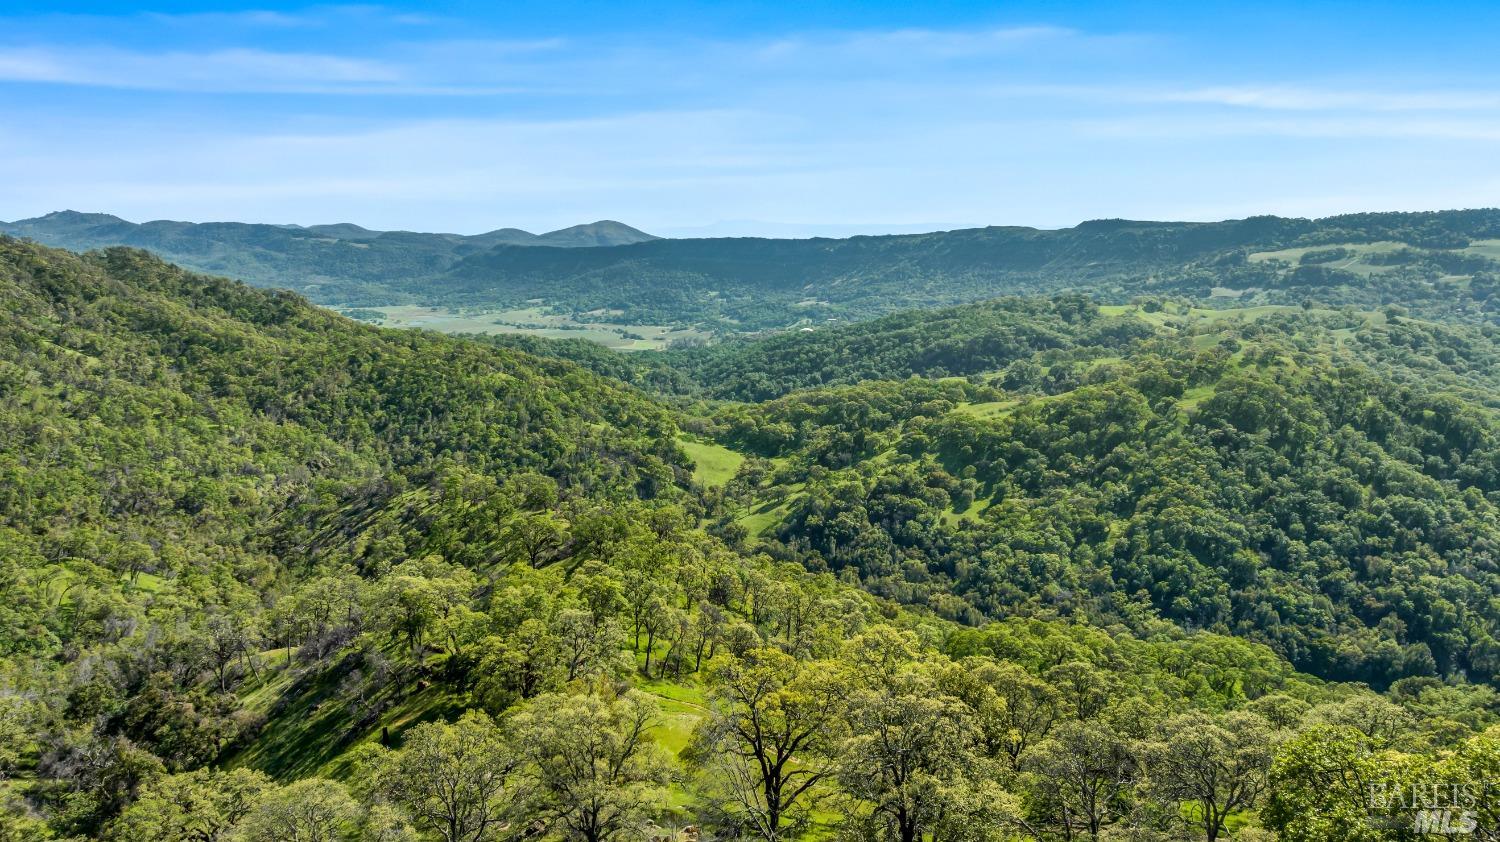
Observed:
{"x":926,"y":343}
{"x":178,"y":448}
{"x":271,"y":574}
{"x":1442,"y":262}
{"x":1321,"y":481}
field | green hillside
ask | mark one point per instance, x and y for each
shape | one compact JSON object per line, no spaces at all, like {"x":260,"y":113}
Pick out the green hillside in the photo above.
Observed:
{"x":954,"y":341}
{"x":1290,"y":479}
{"x":274,"y":574}
{"x":735,"y":285}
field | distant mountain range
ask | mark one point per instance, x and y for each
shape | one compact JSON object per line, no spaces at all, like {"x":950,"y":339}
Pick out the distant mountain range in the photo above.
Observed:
{"x":332,"y":264}
{"x":738,"y":284}
{"x":110,"y":229}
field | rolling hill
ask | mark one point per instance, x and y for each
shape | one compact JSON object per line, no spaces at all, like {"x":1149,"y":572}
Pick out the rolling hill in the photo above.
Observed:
{"x":331,"y":263}
{"x":609,"y":272}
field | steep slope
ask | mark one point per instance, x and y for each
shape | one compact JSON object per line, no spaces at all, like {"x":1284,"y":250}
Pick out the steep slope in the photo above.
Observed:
{"x":185,"y":418}
{"x":178,"y":452}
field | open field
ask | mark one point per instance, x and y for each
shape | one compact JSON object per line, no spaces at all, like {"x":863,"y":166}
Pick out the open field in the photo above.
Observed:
{"x":988,"y":409}
{"x":1173,"y":313}
{"x":1484,"y":248}
{"x":713,"y":464}
{"x":531,"y":320}
{"x":1180,"y":316}
{"x":1353,"y":263}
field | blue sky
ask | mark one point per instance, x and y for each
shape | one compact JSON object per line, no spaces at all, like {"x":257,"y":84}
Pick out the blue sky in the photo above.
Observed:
{"x":739,"y":118}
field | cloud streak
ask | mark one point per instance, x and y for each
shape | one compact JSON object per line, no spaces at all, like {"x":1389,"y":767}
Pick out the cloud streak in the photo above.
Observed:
{"x":1260,"y":97}
{"x":224,"y":71}
{"x":1320,"y":99}
{"x":941,"y":63}
{"x":1322,"y":127}
{"x":480,"y":66}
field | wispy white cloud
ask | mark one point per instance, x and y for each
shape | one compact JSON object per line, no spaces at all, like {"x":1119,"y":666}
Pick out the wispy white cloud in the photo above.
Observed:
{"x":454,"y":64}
{"x":220,"y":70}
{"x":487,"y":66}
{"x":309,"y":17}
{"x":912,"y":42}
{"x":1335,"y":127}
{"x":1261,"y":97}
{"x":673,"y":169}
{"x":249,"y":17}
{"x":1320,"y":99}
{"x":469,"y":67}
{"x":1026,"y":124}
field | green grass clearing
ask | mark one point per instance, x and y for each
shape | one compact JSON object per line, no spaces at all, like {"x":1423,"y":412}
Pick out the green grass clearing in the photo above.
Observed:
{"x":713,"y":464}
{"x":1352,"y":263}
{"x":1193,"y":397}
{"x":534,"y":321}
{"x":987,"y":410}
{"x":1484,"y":248}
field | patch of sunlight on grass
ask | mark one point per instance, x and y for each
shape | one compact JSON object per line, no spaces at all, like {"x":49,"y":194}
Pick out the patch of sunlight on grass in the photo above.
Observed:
{"x":713,"y":464}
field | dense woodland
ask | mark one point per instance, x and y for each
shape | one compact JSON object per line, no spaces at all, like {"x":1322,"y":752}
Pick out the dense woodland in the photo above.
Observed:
{"x":1038,"y":568}
{"x":1247,"y":487}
